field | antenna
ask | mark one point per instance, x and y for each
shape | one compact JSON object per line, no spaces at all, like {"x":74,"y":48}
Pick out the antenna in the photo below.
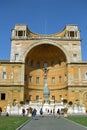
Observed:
{"x":45,"y":27}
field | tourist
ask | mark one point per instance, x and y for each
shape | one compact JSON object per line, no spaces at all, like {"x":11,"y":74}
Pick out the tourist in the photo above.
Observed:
{"x":54,"y":112}
{"x":7,"y":114}
{"x":41,"y":112}
{"x":34,"y":114}
{"x":23,"y":112}
{"x":58,"y":113}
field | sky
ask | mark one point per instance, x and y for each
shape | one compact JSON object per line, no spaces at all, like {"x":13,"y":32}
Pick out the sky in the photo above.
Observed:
{"x":42,"y":17}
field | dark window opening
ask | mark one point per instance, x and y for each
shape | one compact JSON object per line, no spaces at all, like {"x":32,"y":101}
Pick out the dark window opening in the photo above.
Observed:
{"x":37,"y":97}
{"x":52,"y":64}
{"x":2,"y":96}
{"x":20,"y":33}
{"x":31,"y":63}
{"x":38,"y":64}
{"x":71,"y":33}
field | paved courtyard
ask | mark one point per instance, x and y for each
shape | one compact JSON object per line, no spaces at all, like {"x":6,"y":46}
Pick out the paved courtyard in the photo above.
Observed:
{"x":52,"y":123}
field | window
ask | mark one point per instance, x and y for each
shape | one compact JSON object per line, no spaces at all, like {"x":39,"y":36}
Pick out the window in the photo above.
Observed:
{"x":71,"y":33}
{"x":3,"y":95}
{"x":4,"y":76}
{"x":16,"y":57}
{"x":60,"y":79}
{"x":52,"y":64}
{"x":30,"y":79}
{"x":53,"y":80}
{"x":20,"y":33}
{"x":45,"y":64}
{"x":60,"y":97}
{"x":75,"y":57}
{"x":38,"y":64}
{"x":37,"y":80}
{"x":45,"y":80}
{"x":37,"y":97}
{"x":30,"y":97}
{"x":86,"y":76}
{"x":31,"y":63}
{"x":53,"y":97}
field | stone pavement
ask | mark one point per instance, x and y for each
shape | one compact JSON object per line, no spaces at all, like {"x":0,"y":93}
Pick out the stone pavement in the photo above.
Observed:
{"x":52,"y":123}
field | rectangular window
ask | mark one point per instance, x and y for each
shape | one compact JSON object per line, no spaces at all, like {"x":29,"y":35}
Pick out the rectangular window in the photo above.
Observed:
{"x":30,"y":79}
{"x":3,"y":95}
{"x":4,"y":75}
{"x":37,"y":97}
{"x":53,"y":80}
{"x":60,"y":97}
{"x":60,"y":79}
{"x":38,"y":64}
{"x":37,"y":80}
{"x":52,"y":64}
{"x":16,"y":57}
{"x":30,"y":97}
{"x":75,"y":57}
{"x":31,"y":63}
{"x":53,"y":98}
{"x":20,"y":33}
{"x":71,"y":33}
{"x":45,"y":64}
{"x":45,"y":80}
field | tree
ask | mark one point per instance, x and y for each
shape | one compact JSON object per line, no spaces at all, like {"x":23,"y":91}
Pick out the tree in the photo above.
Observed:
{"x":70,"y":103}
{"x":64,"y":101}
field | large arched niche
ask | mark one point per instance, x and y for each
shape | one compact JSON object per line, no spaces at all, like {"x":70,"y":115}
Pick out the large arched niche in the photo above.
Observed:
{"x":45,"y":53}
{"x":44,"y":43}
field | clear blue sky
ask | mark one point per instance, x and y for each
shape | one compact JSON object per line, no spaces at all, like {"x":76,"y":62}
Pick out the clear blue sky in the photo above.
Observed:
{"x":41,"y":16}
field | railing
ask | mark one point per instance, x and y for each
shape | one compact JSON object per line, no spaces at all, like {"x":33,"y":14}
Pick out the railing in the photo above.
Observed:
{"x":43,"y":37}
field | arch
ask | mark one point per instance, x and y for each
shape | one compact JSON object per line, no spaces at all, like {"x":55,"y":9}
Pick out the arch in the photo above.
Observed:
{"x":41,"y":42}
{"x":83,"y":94}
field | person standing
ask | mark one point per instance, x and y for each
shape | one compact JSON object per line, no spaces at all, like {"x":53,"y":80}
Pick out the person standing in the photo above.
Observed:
{"x":58,"y":112}
{"x":54,"y":112}
{"x":41,"y":112}
{"x":34,"y":114}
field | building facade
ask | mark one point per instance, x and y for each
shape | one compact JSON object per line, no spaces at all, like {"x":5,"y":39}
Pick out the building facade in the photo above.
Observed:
{"x":22,"y":78}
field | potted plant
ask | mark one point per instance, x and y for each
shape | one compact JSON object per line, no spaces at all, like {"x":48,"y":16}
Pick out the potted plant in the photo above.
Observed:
{"x":65,"y":111}
{"x":29,"y":111}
